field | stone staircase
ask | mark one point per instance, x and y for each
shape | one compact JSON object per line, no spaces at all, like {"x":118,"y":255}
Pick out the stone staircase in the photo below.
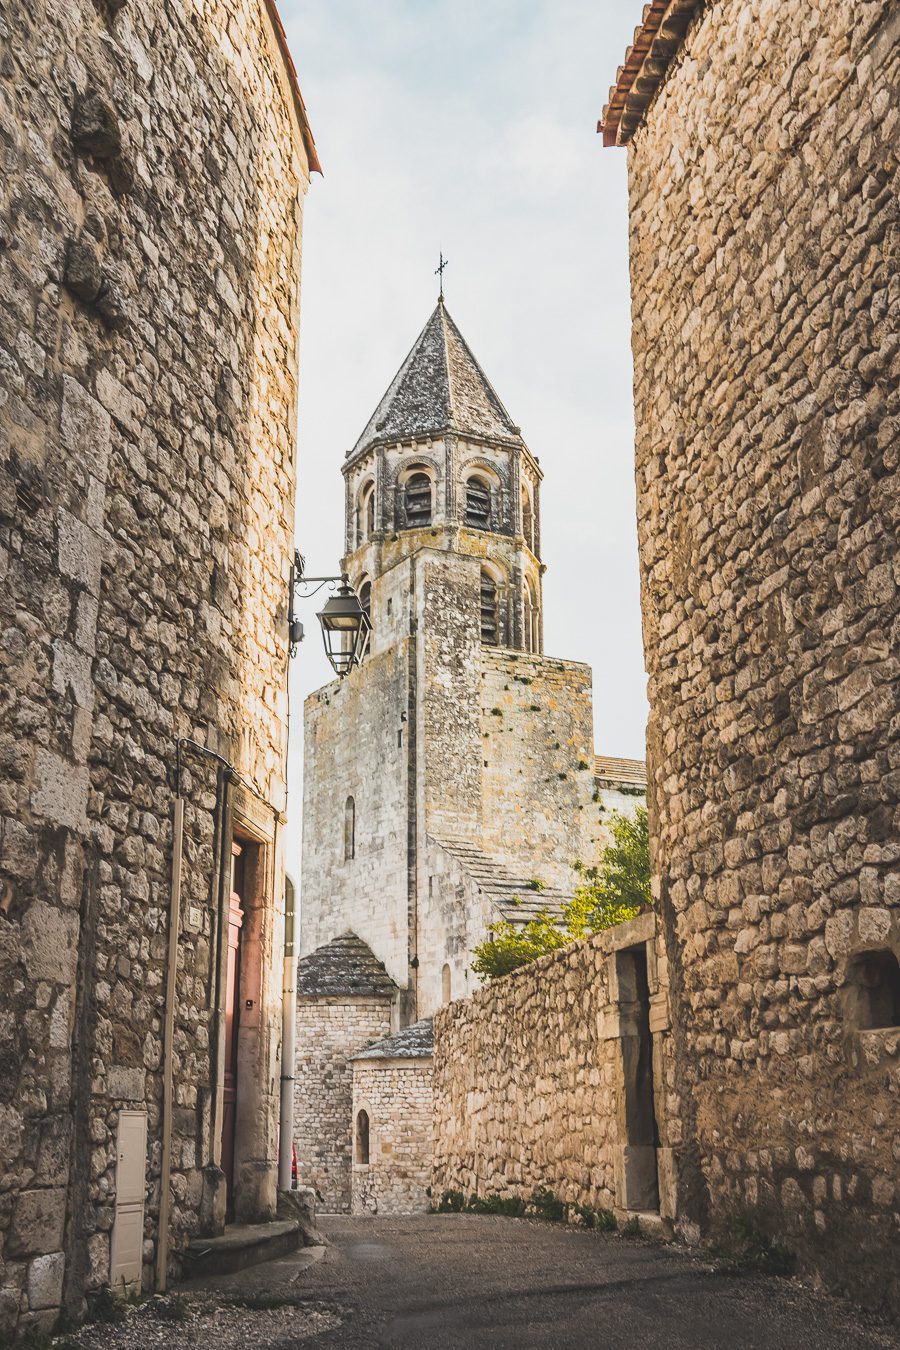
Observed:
{"x":513,"y":894}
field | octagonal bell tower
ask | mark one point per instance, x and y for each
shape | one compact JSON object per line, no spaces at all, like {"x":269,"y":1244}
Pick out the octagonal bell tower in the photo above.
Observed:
{"x":441,"y":466}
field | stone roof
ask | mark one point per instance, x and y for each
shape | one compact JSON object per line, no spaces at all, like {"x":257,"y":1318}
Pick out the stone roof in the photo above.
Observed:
{"x":628,"y":772}
{"x":415,"y":1042}
{"x":440,"y":387}
{"x":345,"y":966}
{"x":656,"y":40}
{"x":515,"y":896}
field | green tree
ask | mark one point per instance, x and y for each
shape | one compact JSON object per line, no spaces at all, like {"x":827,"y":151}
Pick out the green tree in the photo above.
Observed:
{"x":618,"y":888}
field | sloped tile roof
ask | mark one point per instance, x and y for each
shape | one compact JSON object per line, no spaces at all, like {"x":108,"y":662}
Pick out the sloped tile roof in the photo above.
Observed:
{"x":440,"y":387}
{"x":656,"y":40}
{"x":345,"y":966}
{"x":513,"y":895}
{"x":415,"y":1042}
{"x":628,"y":772}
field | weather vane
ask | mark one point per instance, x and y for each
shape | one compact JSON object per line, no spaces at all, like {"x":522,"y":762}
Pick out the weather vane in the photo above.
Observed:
{"x":439,"y":272}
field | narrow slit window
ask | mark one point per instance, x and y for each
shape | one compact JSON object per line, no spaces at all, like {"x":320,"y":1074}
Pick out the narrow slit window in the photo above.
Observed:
{"x":490,"y":611}
{"x":349,"y":829}
{"x":418,"y":501}
{"x":478,"y":504}
{"x":361,"y":1152}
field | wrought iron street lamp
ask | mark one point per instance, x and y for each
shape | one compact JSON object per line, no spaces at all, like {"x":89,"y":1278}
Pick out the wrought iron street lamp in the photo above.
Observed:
{"x":345,"y":629}
{"x":345,"y":623}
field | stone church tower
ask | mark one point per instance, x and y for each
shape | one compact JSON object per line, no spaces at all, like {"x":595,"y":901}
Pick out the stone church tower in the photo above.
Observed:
{"x":450,"y":780}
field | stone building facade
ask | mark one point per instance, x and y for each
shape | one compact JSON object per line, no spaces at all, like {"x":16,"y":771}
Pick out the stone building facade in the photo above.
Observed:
{"x":154,"y":165}
{"x":765,"y":236}
{"x":345,"y":1002}
{"x":393,"y":1123}
{"x":561,"y":1077}
{"x":450,"y":780}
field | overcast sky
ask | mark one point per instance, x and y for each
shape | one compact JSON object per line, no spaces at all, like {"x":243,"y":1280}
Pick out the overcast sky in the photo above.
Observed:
{"x":471,"y":127}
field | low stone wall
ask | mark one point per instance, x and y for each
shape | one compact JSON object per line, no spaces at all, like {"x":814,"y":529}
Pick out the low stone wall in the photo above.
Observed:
{"x":397,"y":1099}
{"x":559,"y":1076}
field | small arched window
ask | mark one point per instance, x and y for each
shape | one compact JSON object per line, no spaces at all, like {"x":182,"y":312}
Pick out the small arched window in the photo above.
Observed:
{"x":361,"y":1149}
{"x":349,"y":829}
{"x":478,"y":504}
{"x":527,"y":519}
{"x":531,"y":619}
{"x":365,"y":599}
{"x":445,"y":984}
{"x":366,"y":513}
{"x":875,"y":983}
{"x":490,"y":610}
{"x":417,"y":501}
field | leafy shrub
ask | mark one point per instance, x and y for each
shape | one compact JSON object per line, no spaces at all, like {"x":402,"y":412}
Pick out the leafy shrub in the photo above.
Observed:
{"x":618,"y":888}
{"x":511,"y":1205}
{"x":603,"y":1220}
{"x":548,"y":1205}
{"x":172,"y":1309}
{"x":106,"y":1306}
{"x":451,"y":1202}
{"x":748,"y":1248}
{"x":632,"y":1229}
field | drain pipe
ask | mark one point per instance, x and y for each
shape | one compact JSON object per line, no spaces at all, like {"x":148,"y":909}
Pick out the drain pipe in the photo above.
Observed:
{"x":288,"y":1037}
{"x":162,"y":1243}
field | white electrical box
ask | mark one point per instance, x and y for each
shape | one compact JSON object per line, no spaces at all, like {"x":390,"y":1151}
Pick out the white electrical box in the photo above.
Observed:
{"x":128,"y":1229}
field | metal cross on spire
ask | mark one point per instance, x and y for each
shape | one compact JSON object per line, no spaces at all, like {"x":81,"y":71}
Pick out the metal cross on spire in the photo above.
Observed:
{"x":439,"y":272}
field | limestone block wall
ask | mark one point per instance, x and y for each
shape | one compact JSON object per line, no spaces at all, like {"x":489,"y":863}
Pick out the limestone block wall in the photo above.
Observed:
{"x":538,"y":1083}
{"x":538,"y":764}
{"x":356,"y":745}
{"x":396,"y":1096}
{"x":329,"y":1032}
{"x":150,"y":218}
{"x":764,"y":243}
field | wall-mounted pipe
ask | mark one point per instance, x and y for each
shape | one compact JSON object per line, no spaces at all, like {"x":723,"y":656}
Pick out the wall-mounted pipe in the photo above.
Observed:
{"x":162,"y":1245}
{"x":288,"y":1037}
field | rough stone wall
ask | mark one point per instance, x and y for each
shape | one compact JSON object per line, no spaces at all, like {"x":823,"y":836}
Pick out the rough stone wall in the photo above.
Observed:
{"x":764,"y":249}
{"x":356,"y":744}
{"x":538,"y":764}
{"x":396,"y":1095}
{"x":329,"y":1032}
{"x":529,"y":1080}
{"x":150,"y":211}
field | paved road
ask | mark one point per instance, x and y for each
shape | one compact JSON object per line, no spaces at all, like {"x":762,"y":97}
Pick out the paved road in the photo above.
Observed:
{"x":447,"y":1281}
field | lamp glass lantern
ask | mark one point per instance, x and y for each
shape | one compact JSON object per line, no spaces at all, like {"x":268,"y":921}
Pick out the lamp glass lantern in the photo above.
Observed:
{"x":345,"y":630}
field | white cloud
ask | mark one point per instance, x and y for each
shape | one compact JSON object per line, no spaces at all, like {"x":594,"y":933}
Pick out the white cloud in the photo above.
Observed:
{"x":471,"y":127}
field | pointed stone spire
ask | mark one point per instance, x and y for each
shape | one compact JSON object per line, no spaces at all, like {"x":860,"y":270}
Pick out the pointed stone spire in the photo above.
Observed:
{"x":440,"y":387}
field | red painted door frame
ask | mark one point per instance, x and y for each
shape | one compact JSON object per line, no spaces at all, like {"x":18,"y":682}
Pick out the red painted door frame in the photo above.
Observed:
{"x":232,"y":1022}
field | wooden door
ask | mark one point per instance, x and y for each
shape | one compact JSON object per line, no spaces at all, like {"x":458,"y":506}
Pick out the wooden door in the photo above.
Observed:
{"x":232,"y":1022}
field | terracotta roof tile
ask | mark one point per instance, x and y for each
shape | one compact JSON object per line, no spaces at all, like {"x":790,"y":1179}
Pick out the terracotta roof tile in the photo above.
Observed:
{"x":656,"y":40}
